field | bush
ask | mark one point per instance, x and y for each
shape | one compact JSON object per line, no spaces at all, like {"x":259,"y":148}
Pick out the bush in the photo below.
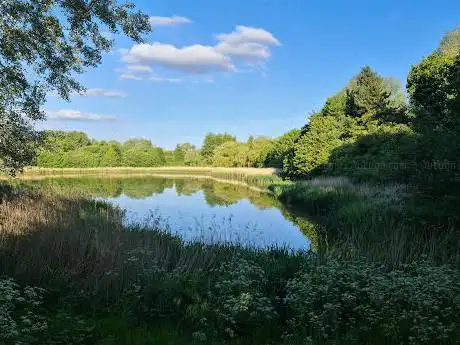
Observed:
{"x":363,"y":303}
{"x":20,"y":320}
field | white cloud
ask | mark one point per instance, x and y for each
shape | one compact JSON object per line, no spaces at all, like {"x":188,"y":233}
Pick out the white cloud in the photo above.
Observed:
{"x":140,"y":68}
{"x":246,"y":51}
{"x":100,"y":92}
{"x":245,"y":45}
{"x":195,"y":58}
{"x":130,"y":76}
{"x":167,"y":21}
{"x":164,"y":79}
{"x":246,"y":34}
{"x":76,"y":115}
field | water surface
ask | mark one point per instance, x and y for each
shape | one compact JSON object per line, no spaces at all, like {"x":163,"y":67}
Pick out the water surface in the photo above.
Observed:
{"x":198,"y":209}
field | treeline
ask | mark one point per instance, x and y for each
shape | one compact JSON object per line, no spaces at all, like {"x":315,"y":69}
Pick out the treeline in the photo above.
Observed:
{"x":76,"y":150}
{"x":371,"y":129}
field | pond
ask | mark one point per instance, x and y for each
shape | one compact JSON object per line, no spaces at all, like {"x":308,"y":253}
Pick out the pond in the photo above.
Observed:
{"x":197,"y":209}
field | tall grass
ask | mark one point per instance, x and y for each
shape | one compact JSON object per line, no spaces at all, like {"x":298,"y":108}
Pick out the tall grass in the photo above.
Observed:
{"x":380,"y":222}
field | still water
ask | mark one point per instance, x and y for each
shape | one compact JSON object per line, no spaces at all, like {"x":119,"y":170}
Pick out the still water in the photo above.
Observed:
{"x":198,"y":209}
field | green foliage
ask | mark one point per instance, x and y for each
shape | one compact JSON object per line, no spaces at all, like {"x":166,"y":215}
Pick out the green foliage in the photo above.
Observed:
{"x":43,"y":45}
{"x":258,"y":149}
{"x":76,"y":150}
{"x":231,"y":154}
{"x":387,"y":154}
{"x":450,"y":43}
{"x":141,"y":153}
{"x":185,"y":154}
{"x":236,"y":154}
{"x":281,"y":147}
{"x":359,"y":303}
{"x":368,"y":98}
{"x":211,"y":142}
{"x":429,"y":86}
{"x":314,"y":147}
{"x":434,"y":90}
{"x":368,"y":105}
{"x":20,"y":319}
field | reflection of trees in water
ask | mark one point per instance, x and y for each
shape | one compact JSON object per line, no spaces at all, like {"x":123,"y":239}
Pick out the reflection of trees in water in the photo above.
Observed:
{"x":215,"y":193}
{"x":188,"y":187}
{"x":223,"y":194}
{"x":84,"y":186}
{"x":141,"y":188}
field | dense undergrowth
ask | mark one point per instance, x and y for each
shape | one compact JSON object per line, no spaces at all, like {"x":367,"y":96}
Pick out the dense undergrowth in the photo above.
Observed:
{"x":384,"y":223}
{"x":102,"y":283}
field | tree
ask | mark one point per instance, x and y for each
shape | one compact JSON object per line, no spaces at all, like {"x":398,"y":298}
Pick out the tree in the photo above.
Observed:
{"x":258,"y":149}
{"x":280,"y":148}
{"x":142,"y":153}
{"x":211,"y":142}
{"x":180,"y":152}
{"x":231,"y":154}
{"x":193,"y":158}
{"x":314,"y":147}
{"x":43,"y":45}
{"x":368,"y":103}
{"x":368,"y":97}
{"x":450,"y":43}
{"x":110,"y":155}
{"x":430,"y":89}
{"x":434,"y":88}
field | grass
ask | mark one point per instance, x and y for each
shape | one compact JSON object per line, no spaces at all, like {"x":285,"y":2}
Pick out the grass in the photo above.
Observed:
{"x":383,"y":223}
{"x":110,"y":284}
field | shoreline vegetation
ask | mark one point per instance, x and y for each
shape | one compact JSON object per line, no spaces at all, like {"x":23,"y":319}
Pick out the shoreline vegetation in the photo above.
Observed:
{"x":106,"y":283}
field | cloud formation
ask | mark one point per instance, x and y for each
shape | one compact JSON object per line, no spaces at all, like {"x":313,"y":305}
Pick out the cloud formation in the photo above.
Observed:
{"x":196,"y":58}
{"x":168,"y":21}
{"x":244,"y":45}
{"x":246,"y":34}
{"x":139,"y":68}
{"x":130,"y":76}
{"x":168,"y":80}
{"x":100,"y":92}
{"x":76,"y":115}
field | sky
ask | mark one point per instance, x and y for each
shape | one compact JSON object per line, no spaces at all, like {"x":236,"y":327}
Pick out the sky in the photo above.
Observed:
{"x":246,"y":67}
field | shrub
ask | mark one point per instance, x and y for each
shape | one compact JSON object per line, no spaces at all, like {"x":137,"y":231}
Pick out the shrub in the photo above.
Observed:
{"x":20,"y":321}
{"x":363,"y":303}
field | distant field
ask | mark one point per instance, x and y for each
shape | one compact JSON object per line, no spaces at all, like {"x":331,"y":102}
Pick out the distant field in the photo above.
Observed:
{"x":34,"y":171}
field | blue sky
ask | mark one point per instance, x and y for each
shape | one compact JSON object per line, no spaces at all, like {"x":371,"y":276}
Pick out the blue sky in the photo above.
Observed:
{"x":245,"y":66}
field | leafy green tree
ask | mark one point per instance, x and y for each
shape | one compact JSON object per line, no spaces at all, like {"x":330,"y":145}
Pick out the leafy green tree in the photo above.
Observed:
{"x":142,"y":153}
{"x":314,"y":147}
{"x":450,"y":43}
{"x":231,"y":154}
{"x":434,"y":87}
{"x":368,"y":97}
{"x":258,"y":149}
{"x":181,"y":151}
{"x":43,"y":45}
{"x":65,"y":141}
{"x":281,"y":147}
{"x":211,"y":142}
{"x":430,"y":89}
{"x":110,"y":155}
{"x":193,"y":158}
{"x":367,"y":103}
